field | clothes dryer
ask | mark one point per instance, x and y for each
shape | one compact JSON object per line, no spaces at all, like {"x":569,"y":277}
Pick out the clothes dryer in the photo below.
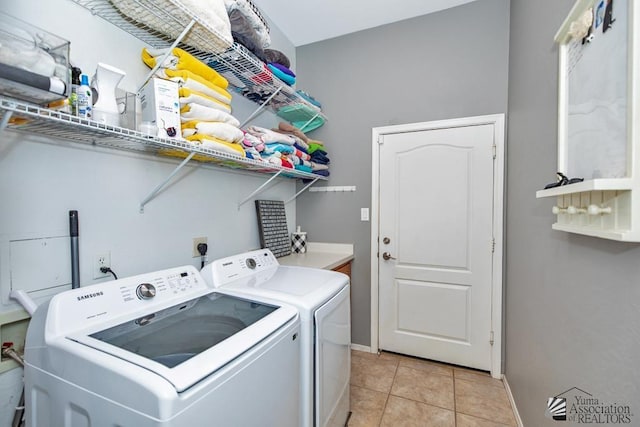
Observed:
{"x":322,"y":298}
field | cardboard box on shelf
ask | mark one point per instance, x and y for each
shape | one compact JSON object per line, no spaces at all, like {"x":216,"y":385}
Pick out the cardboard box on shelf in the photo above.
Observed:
{"x":161,"y":107}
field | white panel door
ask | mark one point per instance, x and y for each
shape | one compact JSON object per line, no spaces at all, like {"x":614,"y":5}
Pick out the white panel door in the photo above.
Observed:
{"x":436,"y":233}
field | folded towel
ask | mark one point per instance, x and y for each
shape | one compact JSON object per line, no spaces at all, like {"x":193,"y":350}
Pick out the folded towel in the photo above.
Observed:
{"x":308,"y":98}
{"x":304,"y":148}
{"x":267,"y":135}
{"x":285,"y":127}
{"x":253,"y":141}
{"x":188,"y":96}
{"x":302,"y":116}
{"x":301,"y":154}
{"x":282,"y":75}
{"x":314,"y":146}
{"x":220,"y":130}
{"x":282,"y":148}
{"x":201,"y":113}
{"x":320,"y":156}
{"x":181,"y":60}
{"x":192,"y":81}
{"x":303,"y":168}
{"x":319,"y":167}
{"x":282,"y":68}
{"x":214,"y":143}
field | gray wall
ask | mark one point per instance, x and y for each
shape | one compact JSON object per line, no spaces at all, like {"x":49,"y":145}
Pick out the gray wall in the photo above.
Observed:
{"x":572,"y":302}
{"x":449,"y":64}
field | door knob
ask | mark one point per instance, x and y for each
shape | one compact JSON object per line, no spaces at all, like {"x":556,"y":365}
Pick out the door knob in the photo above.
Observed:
{"x":386,"y":240}
{"x":387,"y":256}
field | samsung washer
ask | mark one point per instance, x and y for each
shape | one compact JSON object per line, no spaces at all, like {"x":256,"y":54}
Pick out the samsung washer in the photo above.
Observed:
{"x":162,"y":349}
{"x":323,"y":300}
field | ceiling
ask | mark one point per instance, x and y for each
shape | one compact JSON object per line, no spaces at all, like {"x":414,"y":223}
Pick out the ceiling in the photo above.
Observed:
{"x":309,"y":21}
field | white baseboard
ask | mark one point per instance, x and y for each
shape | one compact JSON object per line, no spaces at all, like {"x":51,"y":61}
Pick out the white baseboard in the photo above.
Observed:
{"x":359,"y":347}
{"x":511,"y":400}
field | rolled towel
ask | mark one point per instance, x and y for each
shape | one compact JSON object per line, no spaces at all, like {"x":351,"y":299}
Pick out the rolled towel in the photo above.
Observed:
{"x":282,"y":148}
{"x":288,"y":128}
{"x":268,"y":135}
{"x":282,"y":75}
{"x":318,"y":167}
{"x":220,"y":130}
{"x":303,"y":168}
{"x":205,"y":114}
{"x":181,"y":60}
{"x":188,"y":96}
{"x":282,"y":68}
{"x":192,"y":81}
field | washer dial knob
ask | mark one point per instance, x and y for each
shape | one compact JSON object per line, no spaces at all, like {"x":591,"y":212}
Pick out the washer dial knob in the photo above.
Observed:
{"x":146,"y":291}
{"x":251,"y":263}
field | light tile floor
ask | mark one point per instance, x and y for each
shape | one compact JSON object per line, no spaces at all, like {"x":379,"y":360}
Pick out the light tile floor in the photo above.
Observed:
{"x":395,"y":390}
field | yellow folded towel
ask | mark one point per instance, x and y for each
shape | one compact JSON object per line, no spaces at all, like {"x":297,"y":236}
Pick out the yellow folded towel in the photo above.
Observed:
{"x":214,"y":143}
{"x":188,"y":96}
{"x":182,"y":60}
{"x":196,"y":83}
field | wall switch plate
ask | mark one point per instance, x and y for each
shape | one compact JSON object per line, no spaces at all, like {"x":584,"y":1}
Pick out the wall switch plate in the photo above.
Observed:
{"x":364,"y":214}
{"x":196,"y":242}
{"x":101,"y":260}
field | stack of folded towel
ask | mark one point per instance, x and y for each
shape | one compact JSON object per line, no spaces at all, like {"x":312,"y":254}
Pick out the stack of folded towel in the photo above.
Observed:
{"x":205,"y":103}
{"x":286,"y":146}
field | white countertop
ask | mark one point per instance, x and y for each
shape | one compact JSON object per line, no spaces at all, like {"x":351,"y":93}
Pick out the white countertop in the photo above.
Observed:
{"x":320,"y":255}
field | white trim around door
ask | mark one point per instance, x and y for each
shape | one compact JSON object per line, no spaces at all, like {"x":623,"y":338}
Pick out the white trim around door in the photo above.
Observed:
{"x":498,"y":122}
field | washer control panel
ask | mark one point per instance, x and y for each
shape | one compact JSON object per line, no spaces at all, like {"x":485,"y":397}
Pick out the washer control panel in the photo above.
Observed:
{"x":225,"y":270}
{"x":81,"y":307}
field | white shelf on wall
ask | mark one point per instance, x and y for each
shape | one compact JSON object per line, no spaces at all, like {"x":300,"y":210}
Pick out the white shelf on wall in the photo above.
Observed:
{"x":606,"y":208}
{"x":247,"y":71}
{"x":591,"y":185}
{"x":32,"y":119}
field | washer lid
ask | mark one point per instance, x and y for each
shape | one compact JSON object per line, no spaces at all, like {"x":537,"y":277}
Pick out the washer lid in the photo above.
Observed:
{"x":188,"y":341}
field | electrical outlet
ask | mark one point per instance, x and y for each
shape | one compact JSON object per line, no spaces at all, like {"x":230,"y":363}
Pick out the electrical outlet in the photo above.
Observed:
{"x":101,"y":260}
{"x":196,"y":242}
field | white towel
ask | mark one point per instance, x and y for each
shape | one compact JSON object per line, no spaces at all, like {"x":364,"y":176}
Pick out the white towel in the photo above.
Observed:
{"x":206,"y":114}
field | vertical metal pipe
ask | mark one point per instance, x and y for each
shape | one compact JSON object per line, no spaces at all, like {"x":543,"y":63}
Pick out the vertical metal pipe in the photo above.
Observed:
{"x":75,"y":257}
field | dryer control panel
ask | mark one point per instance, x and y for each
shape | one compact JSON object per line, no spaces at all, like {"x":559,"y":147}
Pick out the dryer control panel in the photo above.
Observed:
{"x":225,"y":270}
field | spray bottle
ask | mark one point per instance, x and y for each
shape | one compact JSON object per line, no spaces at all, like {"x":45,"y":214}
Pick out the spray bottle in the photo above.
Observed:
{"x":85,"y":98}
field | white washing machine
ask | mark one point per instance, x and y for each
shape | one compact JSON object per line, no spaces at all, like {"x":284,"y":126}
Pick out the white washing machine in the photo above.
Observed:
{"x":162,"y":349}
{"x":322,"y":298}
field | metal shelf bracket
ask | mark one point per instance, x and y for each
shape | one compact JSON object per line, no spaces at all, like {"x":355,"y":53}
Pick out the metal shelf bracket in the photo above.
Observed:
{"x":160,"y":61}
{"x":261,"y":107}
{"x":160,"y":186}
{"x":5,"y":120}
{"x":302,"y":191}
{"x":259,"y":189}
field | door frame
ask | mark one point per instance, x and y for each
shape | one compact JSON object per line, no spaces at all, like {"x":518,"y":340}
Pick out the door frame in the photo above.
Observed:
{"x":498,"y":122}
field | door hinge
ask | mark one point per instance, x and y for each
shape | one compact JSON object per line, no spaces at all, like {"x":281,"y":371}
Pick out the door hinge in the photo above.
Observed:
{"x":491,"y":337}
{"x":493,"y":150}
{"x":493,"y":245}
{"x":380,"y":140}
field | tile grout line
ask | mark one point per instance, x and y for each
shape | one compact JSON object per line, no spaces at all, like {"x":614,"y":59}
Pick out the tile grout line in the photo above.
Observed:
{"x":384,"y":408}
{"x":455,"y":406}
